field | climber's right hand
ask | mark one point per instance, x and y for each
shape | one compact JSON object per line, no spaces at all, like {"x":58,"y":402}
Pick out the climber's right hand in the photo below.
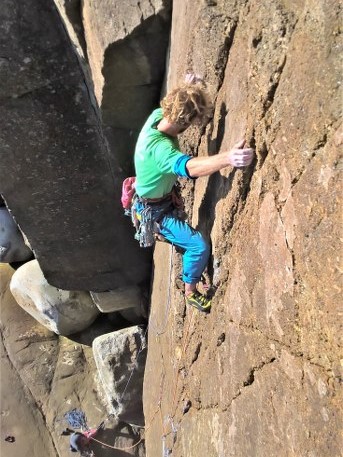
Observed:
{"x":239,"y":156}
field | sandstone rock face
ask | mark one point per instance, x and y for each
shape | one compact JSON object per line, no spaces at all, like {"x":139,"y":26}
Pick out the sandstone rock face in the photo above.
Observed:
{"x":61,"y":311}
{"x":12,"y":244}
{"x":260,"y":374}
{"x":51,"y":372}
{"x":120,"y":359}
{"x":28,"y":430}
{"x":59,"y":178}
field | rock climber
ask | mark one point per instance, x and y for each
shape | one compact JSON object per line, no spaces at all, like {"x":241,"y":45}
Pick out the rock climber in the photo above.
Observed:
{"x":158,"y":164}
{"x":79,"y":441}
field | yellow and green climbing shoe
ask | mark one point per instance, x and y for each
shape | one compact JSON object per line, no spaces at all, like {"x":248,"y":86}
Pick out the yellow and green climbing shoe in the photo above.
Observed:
{"x":198,"y":301}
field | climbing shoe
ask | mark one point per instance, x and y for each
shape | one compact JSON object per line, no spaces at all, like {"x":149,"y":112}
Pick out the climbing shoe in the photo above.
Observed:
{"x":199,"y":301}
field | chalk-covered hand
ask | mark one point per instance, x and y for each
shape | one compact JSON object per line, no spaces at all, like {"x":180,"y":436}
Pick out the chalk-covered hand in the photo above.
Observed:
{"x":192,"y":78}
{"x":239,"y":156}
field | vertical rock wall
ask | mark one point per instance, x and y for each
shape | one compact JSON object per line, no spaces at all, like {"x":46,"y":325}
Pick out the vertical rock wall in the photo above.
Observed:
{"x":259,"y":375}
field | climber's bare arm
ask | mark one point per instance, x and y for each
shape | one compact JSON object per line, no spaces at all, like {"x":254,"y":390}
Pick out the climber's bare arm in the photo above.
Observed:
{"x":238,"y":156}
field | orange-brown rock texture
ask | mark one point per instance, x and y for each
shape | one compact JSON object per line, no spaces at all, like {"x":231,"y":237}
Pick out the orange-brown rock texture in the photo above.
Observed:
{"x":260,"y":374}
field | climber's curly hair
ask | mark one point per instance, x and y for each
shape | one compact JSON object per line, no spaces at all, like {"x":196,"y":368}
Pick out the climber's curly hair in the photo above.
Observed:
{"x":187,"y":104}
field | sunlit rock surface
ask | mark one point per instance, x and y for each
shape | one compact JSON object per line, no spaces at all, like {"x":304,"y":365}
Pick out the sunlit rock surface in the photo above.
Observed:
{"x":61,"y":311}
{"x":120,"y":359}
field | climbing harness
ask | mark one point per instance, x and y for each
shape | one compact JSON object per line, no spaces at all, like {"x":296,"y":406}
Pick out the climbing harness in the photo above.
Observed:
{"x":146,"y":215}
{"x":146,"y":228}
{"x":146,"y":220}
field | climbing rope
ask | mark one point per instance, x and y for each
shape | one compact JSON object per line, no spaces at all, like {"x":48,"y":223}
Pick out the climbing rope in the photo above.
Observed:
{"x":77,"y":418}
{"x":170,"y":418}
{"x":135,"y":444}
{"x":181,"y":357}
{"x":135,"y":363}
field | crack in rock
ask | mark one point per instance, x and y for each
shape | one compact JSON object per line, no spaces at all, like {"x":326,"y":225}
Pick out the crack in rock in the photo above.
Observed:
{"x":251,"y":376}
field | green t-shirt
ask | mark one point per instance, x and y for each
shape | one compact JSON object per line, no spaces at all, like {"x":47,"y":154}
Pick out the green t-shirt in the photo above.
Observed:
{"x":156,"y":155}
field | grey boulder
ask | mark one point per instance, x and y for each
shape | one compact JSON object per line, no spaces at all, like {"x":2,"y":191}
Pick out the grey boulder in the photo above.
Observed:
{"x":12,"y":244}
{"x":120,"y":359}
{"x":117,"y":299}
{"x":61,"y":311}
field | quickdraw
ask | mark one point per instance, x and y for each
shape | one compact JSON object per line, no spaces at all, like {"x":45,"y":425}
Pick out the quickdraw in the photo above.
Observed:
{"x":145,"y":234}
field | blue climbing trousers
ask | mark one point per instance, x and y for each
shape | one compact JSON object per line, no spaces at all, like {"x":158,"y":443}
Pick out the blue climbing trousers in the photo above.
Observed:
{"x":196,"y":249}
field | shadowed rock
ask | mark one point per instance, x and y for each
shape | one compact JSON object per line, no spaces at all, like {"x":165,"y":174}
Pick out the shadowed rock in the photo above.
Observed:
{"x":125,"y":45}
{"x":133,"y":72}
{"x":55,"y":375}
{"x":12,"y":244}
{"x":60,"y":183}
{"x":116,"y":300}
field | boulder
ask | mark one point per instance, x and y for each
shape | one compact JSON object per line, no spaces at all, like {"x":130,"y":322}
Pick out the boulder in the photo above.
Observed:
{"x":120,"y":358}
{"x":118,"y":299}
{"x":127,"y":303}
{"x":12,"y":244}
{"x":61,"y":311}
{"x":43,"y":377}
{"x":27,"y":365}
{"x":62,"y":182}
